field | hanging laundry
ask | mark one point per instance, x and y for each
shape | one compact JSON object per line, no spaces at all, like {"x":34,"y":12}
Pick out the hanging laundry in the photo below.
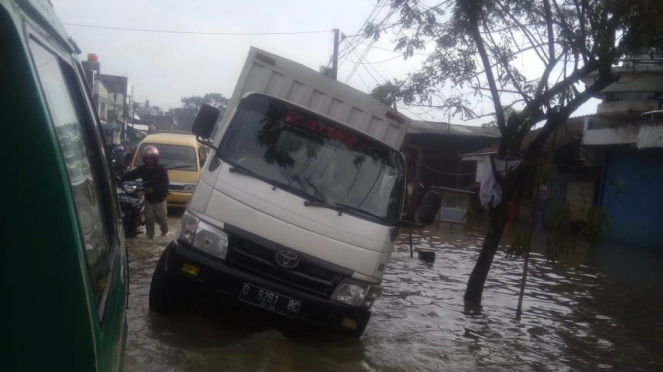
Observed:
{"x":490,"y":193}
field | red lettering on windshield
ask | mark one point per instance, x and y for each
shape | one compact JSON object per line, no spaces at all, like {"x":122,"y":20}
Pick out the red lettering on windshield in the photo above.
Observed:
{"x":325,"y":129}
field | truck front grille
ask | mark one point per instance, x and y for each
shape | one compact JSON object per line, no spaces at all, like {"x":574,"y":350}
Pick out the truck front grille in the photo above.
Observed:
{"x":309,"y":275}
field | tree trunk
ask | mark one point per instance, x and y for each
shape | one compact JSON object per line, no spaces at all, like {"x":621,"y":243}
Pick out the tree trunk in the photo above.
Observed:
{"x":475,"y":285}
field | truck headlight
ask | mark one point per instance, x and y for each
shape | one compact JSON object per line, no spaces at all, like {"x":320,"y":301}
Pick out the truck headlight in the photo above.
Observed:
{"x":203,"y":236}
{"x":356,"y":293}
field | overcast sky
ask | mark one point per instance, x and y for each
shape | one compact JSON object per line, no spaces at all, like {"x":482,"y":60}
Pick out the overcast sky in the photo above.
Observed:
{"x":163,"y":67}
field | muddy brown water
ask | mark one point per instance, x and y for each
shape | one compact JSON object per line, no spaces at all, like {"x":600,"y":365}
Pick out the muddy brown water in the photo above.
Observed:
{"x":598,"y":310}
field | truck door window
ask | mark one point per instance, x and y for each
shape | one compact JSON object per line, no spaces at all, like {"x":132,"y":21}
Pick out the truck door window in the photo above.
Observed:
{"x":79,"y":160}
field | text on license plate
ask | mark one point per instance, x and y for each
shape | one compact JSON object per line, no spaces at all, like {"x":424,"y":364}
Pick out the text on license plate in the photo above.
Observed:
{"x":270,"y":300}
{"x":127,"y":198}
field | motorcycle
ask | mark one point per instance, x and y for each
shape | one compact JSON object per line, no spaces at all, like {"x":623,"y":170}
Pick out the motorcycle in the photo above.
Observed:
{"x":118,"y":167}
{"x":131,"y":197}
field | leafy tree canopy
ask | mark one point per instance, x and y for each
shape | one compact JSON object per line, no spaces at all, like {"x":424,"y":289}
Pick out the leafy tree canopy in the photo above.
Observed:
{"x":217,"y":100}
{"x":531,"y":55}
{"x":533,"y":62}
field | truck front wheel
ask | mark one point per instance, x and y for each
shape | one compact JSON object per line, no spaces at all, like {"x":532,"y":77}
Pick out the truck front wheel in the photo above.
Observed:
{"x":166,"y":292}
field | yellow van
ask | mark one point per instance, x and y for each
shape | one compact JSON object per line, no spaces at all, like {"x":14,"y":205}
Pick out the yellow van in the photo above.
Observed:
{"x":182,"y":156}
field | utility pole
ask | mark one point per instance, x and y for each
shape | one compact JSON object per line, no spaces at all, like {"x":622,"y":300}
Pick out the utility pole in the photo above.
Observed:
{"x":335,"y":56}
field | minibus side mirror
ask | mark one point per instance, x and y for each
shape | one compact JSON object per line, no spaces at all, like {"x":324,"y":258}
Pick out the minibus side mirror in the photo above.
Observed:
{"x":430,"y":205}
{"x":205,"y":121}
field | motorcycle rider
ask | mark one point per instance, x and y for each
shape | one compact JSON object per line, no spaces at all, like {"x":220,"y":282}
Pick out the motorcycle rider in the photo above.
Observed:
{"x":155,"y":181}
{"x":117,"y":159}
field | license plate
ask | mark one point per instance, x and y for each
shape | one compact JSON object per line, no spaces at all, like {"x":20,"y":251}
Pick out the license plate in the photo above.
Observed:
{"x":269,"y":300}
{"x":127,"y":198}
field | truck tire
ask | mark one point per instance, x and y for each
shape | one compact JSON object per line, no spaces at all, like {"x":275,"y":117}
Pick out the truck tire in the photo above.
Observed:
{"x":166,"y":292}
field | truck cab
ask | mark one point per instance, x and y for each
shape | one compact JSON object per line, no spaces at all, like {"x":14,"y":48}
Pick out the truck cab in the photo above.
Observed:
{"x":297,"y":209}
{"x":63,"y":263}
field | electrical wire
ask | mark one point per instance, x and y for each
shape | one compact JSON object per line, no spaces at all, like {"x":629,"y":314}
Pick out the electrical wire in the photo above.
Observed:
{"x":383,"y":61}
{"x":377,"y":9}
{"x":411,"y":112}
{"x":370,"y":45}
{"x":194,"y":32}
{"x":367,"y":70}
{"x":358,"y":63}
{"x":362,"y":80}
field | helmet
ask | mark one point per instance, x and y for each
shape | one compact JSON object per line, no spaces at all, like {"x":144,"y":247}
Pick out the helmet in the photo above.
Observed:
{"x":118,"y":151}
{"x":151,"y":152}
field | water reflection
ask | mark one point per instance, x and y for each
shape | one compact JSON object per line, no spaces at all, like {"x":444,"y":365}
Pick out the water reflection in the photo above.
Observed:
{"x":597,"y":310}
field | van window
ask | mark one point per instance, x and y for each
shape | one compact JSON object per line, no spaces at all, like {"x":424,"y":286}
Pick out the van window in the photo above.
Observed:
{"x":76,"y":151}
{"x":174,"y":156}
{"x":315,"y":158}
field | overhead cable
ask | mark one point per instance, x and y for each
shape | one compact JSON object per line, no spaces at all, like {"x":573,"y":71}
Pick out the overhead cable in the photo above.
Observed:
{"x":223,"y":33}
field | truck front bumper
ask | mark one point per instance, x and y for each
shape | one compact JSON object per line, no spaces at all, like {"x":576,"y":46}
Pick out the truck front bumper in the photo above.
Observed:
{"x":209,"y":275}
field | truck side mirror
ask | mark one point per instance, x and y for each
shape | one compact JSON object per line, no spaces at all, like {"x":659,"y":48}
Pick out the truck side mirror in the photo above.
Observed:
{"x":428,"y":208}
{"x":205,"y":121}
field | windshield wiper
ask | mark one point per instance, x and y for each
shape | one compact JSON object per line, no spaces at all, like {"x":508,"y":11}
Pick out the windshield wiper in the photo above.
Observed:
{"x":275,"y":184}
{"x":308,"y":182}
{"x":359,"y":211}
{"x":241,"y":170}
{"x":320,"y":203}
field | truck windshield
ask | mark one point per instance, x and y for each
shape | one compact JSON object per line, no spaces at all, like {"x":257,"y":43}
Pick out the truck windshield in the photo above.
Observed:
{"x":316,"y":158}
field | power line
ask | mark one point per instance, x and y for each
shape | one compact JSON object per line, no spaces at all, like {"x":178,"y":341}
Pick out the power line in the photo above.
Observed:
{"x":411,"y":112}
{"x":360,"y":78}
{"x":195,"y":32}
{"x":361,"y":57}
{"x":401,"y":53}
{"x":370,"y":44}
{"x":357,"y":41}
{"x":345,"y":52}
{"x":374,"y":69}
{"x":383,"y":61}
{"x":367,"y":70}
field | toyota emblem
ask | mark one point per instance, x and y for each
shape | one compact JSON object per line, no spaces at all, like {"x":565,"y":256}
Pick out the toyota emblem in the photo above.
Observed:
{"x":286,"y":259}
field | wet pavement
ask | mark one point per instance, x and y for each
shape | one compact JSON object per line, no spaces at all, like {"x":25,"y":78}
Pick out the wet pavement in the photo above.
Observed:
{"x":598,"y":310}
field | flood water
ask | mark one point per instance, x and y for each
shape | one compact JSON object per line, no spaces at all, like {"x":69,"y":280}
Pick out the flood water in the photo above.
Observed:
{"x":598,"y":310}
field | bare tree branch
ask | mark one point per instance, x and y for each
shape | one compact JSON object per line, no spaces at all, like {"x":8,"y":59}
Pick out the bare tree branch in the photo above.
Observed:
{"x":524,"y":30}
{"x":472,"y":11}
{"x":555,"y":119}
{"x":551,"y":36}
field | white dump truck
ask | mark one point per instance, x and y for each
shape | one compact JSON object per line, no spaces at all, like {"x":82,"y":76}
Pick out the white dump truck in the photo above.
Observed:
{"x":298,"y":206}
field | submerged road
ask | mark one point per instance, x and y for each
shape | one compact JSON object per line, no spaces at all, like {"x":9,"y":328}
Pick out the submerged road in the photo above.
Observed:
{"x":599,"y":309}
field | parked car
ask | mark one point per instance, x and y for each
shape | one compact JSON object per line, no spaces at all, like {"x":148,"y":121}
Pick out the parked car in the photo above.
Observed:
{"x":183,"y":157}
{"x":63,"y":268}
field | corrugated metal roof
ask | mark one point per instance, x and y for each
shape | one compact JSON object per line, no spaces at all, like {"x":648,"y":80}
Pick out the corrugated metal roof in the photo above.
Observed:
{"x":440,"y":128}
{"x":569,"y":132}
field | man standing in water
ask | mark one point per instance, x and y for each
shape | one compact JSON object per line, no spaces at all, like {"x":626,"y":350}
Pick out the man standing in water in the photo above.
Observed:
{"x":155,"y":181}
